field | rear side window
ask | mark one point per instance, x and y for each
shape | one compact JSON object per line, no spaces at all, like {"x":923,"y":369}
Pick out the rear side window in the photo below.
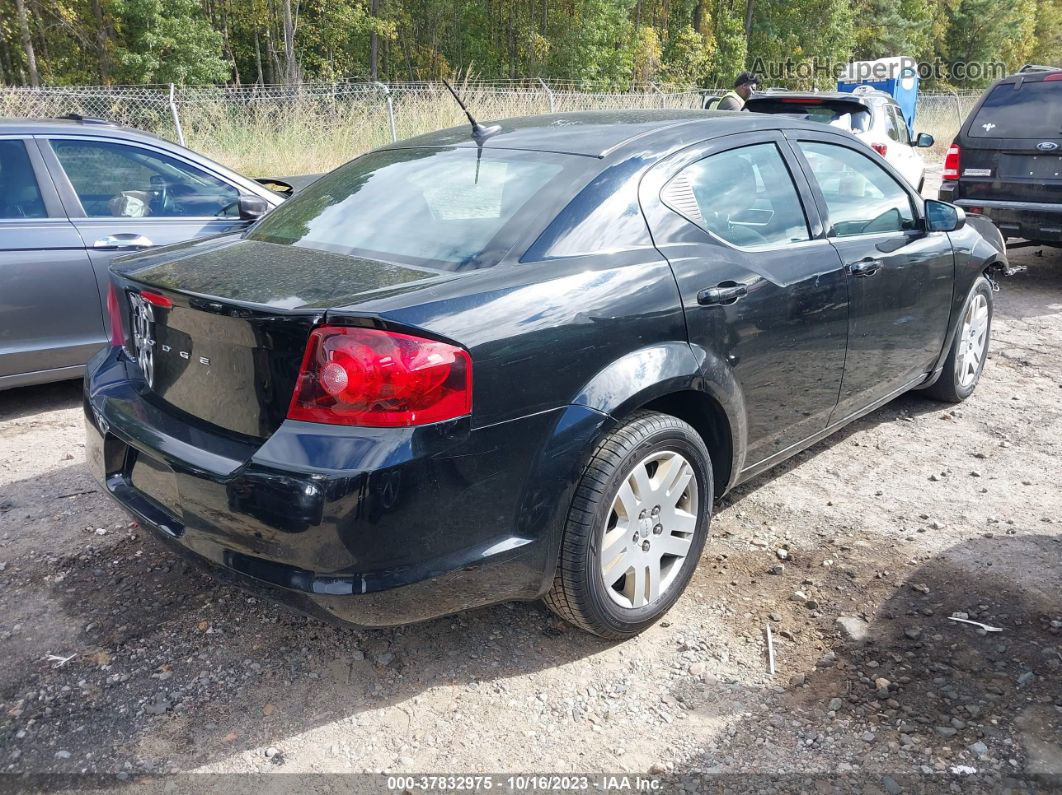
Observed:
{"x":837,"y":113}
{"x":896,"y":125}
{"x":745,"y":196}
{"x":19,"y":195}
{"x":861,"y":197}
{"x":1032,"y":110}
{"x":446,"y":208}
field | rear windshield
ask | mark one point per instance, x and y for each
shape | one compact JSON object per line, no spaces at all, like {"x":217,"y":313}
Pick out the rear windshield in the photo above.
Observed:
{"x":445,"y":208}
{"x":849,"y":116}
{"x":1033,"y":110}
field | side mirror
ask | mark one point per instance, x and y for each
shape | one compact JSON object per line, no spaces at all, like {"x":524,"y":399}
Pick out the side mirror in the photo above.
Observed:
{"x":924,"y":140}
{"x":252,"y":207}
{"x":943,"y":217}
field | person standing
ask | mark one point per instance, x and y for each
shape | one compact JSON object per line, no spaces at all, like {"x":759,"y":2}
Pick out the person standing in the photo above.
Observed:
{"x":745,"y":84}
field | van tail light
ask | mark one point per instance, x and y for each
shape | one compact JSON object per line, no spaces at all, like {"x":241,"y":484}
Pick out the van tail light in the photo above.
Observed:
{"x":380,"y":379}
{"x":951,"y":162}
{"x":114,"y":315}
{"x":881,"y":149}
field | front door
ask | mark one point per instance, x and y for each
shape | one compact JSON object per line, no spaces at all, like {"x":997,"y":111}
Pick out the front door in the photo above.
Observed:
{"x":50,"y":311}
{"x":764,"y":292}
{"x":900,"y":276}
{"x":124,"y":197}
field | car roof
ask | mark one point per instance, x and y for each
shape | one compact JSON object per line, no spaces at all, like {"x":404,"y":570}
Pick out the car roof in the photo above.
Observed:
{"x":847,"y":96}
{"x":605,"y":133}
{"x":81,"y":126}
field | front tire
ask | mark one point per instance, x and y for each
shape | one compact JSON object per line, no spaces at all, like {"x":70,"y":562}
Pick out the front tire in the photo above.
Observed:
{"x":969,"y":348}
{"x":636,"y":527}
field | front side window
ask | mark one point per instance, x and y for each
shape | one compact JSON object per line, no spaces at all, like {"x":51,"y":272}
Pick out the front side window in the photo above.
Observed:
{"x":745,"y":196}
{"x":861,"y":197}
{"x":446,"y":208}
{"x":902,"y":134}
{"x":116,"y":180}
{"x":19,"y":195}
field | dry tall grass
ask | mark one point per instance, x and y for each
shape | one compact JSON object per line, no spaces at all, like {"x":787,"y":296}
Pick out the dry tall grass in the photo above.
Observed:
{"x":274,"y":131}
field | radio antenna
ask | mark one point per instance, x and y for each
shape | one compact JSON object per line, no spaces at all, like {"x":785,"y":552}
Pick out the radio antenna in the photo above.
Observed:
{"x":480,"y":133}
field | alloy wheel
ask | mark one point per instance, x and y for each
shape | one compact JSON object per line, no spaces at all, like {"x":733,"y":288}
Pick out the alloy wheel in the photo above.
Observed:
{"x":973,"y":341}
{"x":650,"y":528}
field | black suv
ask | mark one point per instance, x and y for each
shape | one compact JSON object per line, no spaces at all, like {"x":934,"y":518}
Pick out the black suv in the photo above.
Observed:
{"x":1006,"y":161}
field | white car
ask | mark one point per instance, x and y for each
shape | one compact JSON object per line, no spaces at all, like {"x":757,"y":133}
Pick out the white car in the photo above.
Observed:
{"x":869,"y":114}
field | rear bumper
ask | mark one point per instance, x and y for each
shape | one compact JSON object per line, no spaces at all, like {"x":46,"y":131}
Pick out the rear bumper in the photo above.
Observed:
{"x":371,"y":527}
{"x":1041,"y":221}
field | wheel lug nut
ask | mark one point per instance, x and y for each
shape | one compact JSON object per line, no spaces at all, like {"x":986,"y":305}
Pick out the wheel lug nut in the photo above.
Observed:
{"x":645,"y":545}
{"x":642,"y":514}
{"x":658,"y":529}
{"x":656,"y":510}
{"x":635,"y":539}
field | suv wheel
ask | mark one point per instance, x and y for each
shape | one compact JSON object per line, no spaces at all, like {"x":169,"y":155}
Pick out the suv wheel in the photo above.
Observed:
{"x":969,"y":349}
{"x":636,"y":527}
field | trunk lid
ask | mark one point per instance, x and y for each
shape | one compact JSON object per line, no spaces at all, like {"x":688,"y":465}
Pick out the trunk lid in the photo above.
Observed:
{"x":219,"y":327}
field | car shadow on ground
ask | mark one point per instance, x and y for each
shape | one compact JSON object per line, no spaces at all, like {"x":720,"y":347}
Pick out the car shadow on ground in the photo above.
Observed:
{"x":29,"y":400}
{"x":903,"y":408}
{"x":906,"y":691}
{"x":171,"y":663}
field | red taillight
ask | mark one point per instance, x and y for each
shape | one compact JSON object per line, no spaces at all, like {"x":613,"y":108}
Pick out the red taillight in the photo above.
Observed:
{"x":881,"y":149}
{"x":380,"y":379}
{"x":114,"y":314}
{"x":156,"y":299}
{"x":1053,"y":76}
{"x":951,"y":163}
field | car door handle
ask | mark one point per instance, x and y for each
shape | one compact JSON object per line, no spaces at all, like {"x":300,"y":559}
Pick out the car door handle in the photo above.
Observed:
{"x":723,"y":294}
{"x":865,"y":267}
{"x":123,"y":240}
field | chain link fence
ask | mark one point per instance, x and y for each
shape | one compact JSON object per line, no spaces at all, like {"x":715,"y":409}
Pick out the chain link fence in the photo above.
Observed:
{"x":313,"y":127}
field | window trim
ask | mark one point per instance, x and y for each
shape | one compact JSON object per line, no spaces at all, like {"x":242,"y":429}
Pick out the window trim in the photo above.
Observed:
{"x":74,"y":208}
{"x":795,"y":137}
{"x":675,"y":163}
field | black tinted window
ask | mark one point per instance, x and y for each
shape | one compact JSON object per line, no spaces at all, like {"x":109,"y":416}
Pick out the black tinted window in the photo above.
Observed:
{"x":19,"y":195}
{"x":838,"y":113}
{"x":422,"y":206}
{"x":1032,"y":111}
{"x":744,"y":196}
{"x":861,"y":197}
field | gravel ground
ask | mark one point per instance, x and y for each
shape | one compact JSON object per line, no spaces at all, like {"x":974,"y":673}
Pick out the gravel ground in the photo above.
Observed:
{"x":118,"y":658}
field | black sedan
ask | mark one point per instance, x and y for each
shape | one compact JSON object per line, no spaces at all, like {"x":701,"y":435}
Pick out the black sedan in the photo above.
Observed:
{"x":462,"y":370}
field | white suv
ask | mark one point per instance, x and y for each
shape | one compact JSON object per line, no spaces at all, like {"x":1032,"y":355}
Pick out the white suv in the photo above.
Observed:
{"x":869,"y":114}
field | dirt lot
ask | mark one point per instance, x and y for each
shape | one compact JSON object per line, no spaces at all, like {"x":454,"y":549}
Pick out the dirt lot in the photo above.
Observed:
{"x":118,"y":658}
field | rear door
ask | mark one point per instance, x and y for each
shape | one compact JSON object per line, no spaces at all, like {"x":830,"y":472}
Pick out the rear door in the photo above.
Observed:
{"x":762,"y":288}
{"x":127,"y":196}
{"x":51,"y":315}
{"x":1011,"y":148}
{"x":900,"y":277}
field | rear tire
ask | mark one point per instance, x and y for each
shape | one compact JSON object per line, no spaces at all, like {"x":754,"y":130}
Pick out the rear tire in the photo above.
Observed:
{"x":969,"y":348}
{"x":632,"y":539}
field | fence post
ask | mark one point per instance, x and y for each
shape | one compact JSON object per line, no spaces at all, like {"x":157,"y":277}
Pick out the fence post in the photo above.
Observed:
{"x":176,"y":116}
{"x":390,"y":109}
{"x":958,"y":108}
{"x":659,"y":93}
{"x":549,"y":94}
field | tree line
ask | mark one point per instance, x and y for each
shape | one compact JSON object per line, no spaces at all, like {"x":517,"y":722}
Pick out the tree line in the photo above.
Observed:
{"x":604,"y":42}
